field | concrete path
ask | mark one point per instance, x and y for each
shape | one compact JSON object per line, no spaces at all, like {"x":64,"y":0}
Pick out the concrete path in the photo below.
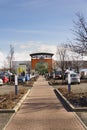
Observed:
{"x":43,"y":111}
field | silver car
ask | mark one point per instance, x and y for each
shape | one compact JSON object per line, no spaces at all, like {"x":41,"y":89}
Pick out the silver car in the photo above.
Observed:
{"x":75,"y":77}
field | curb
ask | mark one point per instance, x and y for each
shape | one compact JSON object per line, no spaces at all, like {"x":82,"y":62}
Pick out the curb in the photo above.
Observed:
{"x":72,"y":108}
{"x":79,"y":109}
{"x":80,"y":120}
{"x":16,"y":108}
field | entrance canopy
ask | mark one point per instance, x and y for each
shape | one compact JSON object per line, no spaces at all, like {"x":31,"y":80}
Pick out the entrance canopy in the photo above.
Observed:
{"x":41,"y":55}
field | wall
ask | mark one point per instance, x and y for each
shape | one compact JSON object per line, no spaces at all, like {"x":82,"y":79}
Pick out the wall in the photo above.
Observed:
{"x":34,"y":61}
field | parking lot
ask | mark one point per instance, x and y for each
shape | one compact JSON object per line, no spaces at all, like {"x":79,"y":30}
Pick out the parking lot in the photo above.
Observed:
{"x":5,"y":89}
{"x":76,"y":88}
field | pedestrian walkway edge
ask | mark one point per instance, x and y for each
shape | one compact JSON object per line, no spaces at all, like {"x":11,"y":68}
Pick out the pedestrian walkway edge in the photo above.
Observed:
{"x":72,"y":108}
{"x":16,"y":108}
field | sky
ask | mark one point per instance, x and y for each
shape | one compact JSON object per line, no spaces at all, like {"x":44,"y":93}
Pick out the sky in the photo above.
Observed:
{"x":36,"y":25}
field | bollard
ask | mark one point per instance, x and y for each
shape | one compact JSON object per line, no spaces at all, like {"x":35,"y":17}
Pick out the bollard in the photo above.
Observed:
{"x":69,"y":88}
{"x":16,"y":84}
{"x":69,"y":82}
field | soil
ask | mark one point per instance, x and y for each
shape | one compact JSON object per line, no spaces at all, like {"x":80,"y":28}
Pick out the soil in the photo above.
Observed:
{"x":8,"y":101}
{"x":76,"y":99}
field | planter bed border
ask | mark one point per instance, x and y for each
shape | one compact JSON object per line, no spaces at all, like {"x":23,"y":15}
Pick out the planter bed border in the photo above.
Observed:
{"x":67,"y":104}
{"x":16,"y":108}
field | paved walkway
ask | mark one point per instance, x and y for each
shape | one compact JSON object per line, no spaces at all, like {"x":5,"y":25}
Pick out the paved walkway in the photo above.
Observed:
{"x":43,"y":111}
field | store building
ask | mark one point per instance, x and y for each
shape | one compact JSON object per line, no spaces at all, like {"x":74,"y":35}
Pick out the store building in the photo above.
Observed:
{"x":41,"y":62}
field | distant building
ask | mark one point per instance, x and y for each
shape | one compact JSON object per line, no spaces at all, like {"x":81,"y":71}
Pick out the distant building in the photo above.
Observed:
{"x":21,"y":65}
{"x":41,"y":62}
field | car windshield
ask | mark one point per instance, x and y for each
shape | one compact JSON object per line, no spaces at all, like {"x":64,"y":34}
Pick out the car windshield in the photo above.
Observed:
{"x":73,"y":75}
{"x":58,"y":72}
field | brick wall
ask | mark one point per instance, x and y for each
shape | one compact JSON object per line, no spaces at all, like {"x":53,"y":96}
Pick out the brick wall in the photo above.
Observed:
{"x":35,"y":61}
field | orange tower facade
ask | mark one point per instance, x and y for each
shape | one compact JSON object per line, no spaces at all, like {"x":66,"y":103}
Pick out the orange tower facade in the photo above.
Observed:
{"x":41,"y":62}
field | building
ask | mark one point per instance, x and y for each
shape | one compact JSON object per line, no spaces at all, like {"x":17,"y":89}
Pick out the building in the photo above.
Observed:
{"x":41,"y":62}
{"x":18,"y":66}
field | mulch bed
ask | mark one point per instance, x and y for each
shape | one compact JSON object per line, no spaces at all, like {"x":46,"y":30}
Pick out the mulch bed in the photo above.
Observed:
{"x":8,"y":101}
{"x":76,"y":99}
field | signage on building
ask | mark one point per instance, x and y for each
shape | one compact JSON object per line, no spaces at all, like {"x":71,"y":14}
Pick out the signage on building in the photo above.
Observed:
{"x":21,"y":69}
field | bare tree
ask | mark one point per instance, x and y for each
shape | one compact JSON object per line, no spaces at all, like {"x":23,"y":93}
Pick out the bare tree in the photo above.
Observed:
{"x":80,"y":33}
{"x":10,"y":56}
{"x":62,"y":57}
{"x":76,"y":61}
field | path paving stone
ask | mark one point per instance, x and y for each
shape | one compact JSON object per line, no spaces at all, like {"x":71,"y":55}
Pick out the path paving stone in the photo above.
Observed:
{"x":43,"y":111}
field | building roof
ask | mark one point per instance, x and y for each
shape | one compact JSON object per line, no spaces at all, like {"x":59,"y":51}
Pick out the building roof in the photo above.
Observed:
{"x":41,"y":53}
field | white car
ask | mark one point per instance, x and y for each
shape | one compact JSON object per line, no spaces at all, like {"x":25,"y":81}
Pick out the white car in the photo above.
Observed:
{"x":1,"y":82}
{"x":75,"y":77}
{"x":83,"y":73}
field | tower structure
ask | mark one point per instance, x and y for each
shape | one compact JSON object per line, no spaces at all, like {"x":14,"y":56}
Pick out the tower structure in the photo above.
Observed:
{"x":41,"y":62}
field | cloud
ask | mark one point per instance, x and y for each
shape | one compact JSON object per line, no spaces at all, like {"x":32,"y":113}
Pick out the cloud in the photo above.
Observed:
{"x":3,"y":61}
{"x":38,"y":46}
{"x":22,"y":56}
{"x":33,"y":47}
{"x":30,"y":3}
{"x":27,"y":48}
{"x":28,"y":31}
{"x":23,"y":46}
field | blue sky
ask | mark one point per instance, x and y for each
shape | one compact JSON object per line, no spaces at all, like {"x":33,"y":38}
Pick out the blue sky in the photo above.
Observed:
{"x":37,"y":25}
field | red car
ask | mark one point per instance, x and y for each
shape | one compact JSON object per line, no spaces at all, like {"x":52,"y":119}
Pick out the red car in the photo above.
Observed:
{"x":4,"y":78}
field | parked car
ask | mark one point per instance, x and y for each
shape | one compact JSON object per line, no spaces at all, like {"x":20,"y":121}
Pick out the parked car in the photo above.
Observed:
{"x":58,"y":75}
{"x":12,"y":78}
{"x":1,"y":82}
{"x":83,"y":73}
{"x":21,"y":79}
{"x":75,"y":77}
{"x":27,"y":77}
{"x":4,"y":78}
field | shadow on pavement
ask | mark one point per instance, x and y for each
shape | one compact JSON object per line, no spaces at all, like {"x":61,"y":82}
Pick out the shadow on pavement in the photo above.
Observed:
{"x":65,"y":105}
